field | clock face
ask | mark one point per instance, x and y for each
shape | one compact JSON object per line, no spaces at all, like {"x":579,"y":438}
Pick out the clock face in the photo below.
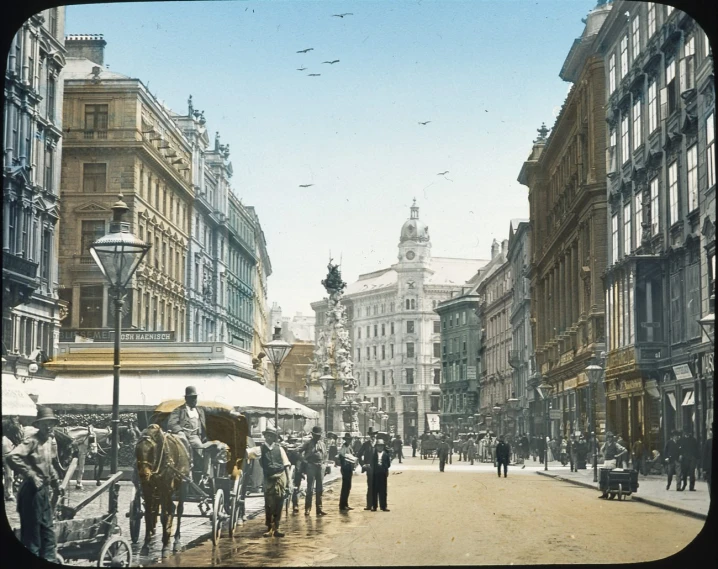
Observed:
{"x":410,"y":255}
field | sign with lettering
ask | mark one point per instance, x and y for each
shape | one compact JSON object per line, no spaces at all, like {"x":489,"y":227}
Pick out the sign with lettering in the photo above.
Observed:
{"x":682,"y":371}
{"x":470,"y":372}
{"x":433,"y":420}
{"x":555,"y":414}
{"x":107,"y":335}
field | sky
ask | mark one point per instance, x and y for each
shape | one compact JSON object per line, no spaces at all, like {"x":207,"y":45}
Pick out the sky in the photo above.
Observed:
{"x":484,"y":73}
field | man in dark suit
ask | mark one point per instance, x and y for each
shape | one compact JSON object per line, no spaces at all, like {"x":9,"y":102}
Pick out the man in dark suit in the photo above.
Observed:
{"x":188,"y":421}
{"x":366,"y":452}
{"x":503,"y":454}
{"x":689,"y":450}
{"x":380,"y":463}
{"x":672,"y":455}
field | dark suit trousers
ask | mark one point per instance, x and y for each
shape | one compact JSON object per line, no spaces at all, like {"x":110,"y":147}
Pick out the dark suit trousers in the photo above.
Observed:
{"x":346,"y":487}
{"x":499,"y":462}
{"x":369,"y":487}
{"x":688,"y":470}
{"x":442,"y":463}
{"x":37,"y":532}
{"x":379,"y":490}
{"x":315,"y":476}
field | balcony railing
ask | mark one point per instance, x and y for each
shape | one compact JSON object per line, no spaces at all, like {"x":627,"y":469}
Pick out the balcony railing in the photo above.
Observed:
{"x":18,"y":265}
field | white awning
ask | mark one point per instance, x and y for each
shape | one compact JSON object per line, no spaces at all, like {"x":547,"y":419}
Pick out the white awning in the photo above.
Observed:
{"x":672,"y":399}
{"x":15,"y":400}
{"x":687,"y":399}
{"x":143,"y":391}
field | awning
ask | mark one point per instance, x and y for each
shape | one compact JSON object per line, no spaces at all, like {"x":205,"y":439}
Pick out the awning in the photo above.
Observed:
{"x":688,"y":398}
{"x":672,"y":399}
{"x":143,"y":391}
{"x":15,"y":400}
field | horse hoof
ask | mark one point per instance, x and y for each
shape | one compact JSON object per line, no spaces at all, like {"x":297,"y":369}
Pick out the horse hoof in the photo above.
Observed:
{"x":166,"y":552}
{"x":178,"y":545}
{"x":145,"y":551}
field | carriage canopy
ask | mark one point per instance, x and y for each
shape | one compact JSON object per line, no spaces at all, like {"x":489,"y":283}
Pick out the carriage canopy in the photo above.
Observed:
{"x":223,"y":424}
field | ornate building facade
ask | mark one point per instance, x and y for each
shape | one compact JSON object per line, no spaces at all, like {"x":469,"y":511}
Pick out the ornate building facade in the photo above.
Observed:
{"x":566,"y":178}
{"x":120,"y":139}
{"x":32,"y":142}
{"x":262,"y":272}
{"x":494,"y":312}
{"x":394,"y":327}
{"x":521,"y":355}
{"x":659,"y":103}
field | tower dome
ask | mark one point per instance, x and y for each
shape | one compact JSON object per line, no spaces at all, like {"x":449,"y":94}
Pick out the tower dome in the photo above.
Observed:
{"x":414,"y":229}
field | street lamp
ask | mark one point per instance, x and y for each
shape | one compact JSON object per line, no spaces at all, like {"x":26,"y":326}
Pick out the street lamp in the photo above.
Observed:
{"x":277,"y":350}
{"x":118,"y":254}
{"x":364,"y":403}
{"x":372,"y":410}
{"x":547,"y":388}
{"x":708,"y":323}
{"x":327,"y":380}
{"x":594,"y":373}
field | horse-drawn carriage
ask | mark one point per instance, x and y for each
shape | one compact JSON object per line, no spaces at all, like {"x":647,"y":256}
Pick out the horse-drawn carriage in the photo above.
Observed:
{"x":166,"y":472}
{"x":429,"y":446}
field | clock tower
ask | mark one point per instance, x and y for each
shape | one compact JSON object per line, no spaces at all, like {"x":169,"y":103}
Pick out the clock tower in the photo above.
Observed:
{"x":414,"y":242}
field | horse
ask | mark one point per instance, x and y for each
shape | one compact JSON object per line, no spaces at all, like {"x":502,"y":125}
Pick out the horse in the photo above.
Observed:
{"x":89,"y":440}
{"x":162,"y":463}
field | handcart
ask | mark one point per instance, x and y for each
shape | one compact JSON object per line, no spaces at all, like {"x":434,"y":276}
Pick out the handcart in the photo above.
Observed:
{"x":617,"y":482}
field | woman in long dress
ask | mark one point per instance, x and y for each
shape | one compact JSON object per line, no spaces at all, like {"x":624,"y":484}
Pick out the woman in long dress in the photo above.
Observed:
{"x":549,"y":451}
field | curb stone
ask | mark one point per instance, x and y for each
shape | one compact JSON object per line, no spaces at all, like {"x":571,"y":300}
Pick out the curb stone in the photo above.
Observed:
{"x":650,"y":501}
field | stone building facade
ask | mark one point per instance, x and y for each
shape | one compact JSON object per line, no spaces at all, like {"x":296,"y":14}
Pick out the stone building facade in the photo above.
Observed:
{"x":32,"y":143}
{"x":262,"y":272}
{"x":566,"y":178}
{"x":494,"y":313}
{"x":660,"y":174}
{"x":120,"y":139}
{"x":394,"y":327}
{"x":521,"y":355}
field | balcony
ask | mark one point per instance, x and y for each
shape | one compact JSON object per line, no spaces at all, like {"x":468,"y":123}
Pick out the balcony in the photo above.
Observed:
{"x":514,"y":358}
{"x":18,"y":266}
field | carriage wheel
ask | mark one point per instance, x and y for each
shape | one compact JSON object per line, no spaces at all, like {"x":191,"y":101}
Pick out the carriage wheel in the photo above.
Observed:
{"x":217,"y":515}
{"x":234,"y":506}
{"x":117,"y":552}
{"x":620,"y":492}
{"x":135,"y":516}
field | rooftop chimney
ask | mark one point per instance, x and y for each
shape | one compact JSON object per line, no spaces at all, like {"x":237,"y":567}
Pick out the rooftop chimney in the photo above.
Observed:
{"x":86,"y":46}
{"x":505,"y":247}
{"x":494,"y":248}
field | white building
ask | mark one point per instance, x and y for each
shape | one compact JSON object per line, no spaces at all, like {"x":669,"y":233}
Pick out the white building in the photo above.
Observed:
{"x":394,"y":329}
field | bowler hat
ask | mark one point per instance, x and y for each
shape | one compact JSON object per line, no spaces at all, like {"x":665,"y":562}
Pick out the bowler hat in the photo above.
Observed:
{"x":190,"y":391}
{"x":348,"y":436}
{"x":270,"y":429}
{"x":380,"y":442}
{"x":45,"y":414}
{"x":317,"y":430}
{"x":371,"y":431}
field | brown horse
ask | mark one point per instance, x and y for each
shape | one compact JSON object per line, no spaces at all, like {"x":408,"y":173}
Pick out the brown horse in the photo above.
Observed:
{"x":162,"y":461}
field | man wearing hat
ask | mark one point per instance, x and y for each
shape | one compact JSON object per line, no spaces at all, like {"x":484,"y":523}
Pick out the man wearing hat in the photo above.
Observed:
{"x":442,"y":452}
{"x":611,"y":450}
{"x":32,"y":458}
{"x":314,"y":454}
{"x":380,"y":463}
{"x":366,"y":453}
{"x":188,"y":421}
{"x":275,"y":465}
{"x":347,"y":464}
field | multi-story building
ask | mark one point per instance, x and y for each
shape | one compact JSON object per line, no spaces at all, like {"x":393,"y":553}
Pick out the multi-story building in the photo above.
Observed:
{"x":263,"y":270}
{"x":120,"y":139}
{"x":298,"y":328}
{"x":567,"y":198}
{"x":459,"y":349}
{"x":32,"y":142}
{"x":521,"y":355}
{"x":494,"y":312}
{"x":660,"y":166}
{"x":394,"y":327}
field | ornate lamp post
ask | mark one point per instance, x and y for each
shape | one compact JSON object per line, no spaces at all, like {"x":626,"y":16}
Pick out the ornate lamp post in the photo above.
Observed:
{"x":372,"y":411}
{"x":364,"y":406}
{"x":277,"y":350}
{"x":118,"y":254}
{"x":595,"y":374}
{"x":546,"y":387}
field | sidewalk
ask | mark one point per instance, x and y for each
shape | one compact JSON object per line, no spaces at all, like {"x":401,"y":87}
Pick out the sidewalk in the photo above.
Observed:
{"x":651,"y":490}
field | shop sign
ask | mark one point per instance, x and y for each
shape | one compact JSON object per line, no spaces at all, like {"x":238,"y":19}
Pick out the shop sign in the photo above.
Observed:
{"x":107,"y":335}
{"x":570,"y":383}
{"x":707,"y":364}
{"x":682,"y":372}
{"x":632,"y":384}
{"x":555,"y":414}
{"x":470,"y":372}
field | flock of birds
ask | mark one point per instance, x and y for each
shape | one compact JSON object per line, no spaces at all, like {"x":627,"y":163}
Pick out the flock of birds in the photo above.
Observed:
{"x":332,"y":62}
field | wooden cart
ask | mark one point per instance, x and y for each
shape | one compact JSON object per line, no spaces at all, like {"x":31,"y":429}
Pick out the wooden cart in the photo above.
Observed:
{"x":617,"y":482}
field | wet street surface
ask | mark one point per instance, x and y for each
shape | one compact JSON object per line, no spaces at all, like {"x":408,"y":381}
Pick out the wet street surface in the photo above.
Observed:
{"x":466,"y":515}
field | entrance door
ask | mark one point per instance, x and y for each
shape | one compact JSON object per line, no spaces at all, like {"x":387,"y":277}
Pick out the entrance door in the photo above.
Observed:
{"x":625,"y":418}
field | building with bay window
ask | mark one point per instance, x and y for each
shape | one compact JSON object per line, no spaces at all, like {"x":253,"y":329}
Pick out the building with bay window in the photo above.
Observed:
{"x":659,"y":169}
{"x":32,"y":142}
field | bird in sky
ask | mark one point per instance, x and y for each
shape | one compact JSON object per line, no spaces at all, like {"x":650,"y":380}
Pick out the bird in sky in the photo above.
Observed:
{"x":424,"y":123}
{"x":443,"y":173}
{"x":301,"y":68}
{"x":342,"y":15}
{"x":313,"y":74}
{"x":331,"y":62}
{"x":305,"y":185}
{"x":306,"y":50}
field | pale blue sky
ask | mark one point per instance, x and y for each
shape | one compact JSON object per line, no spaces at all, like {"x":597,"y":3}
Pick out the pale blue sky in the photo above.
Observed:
{"x":485,"y":73}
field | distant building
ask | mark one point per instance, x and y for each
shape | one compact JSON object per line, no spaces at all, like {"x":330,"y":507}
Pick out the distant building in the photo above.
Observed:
{"x":298,"y":328}
{"x":394,"y":328}
{"x":32,"y":112}
{"x":521,"y":355}
{"x":494,"y":312}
